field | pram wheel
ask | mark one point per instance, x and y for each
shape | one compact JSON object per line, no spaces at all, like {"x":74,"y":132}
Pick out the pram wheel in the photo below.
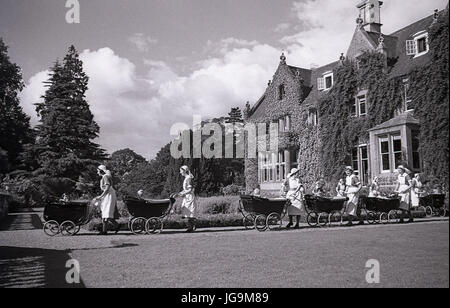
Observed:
{"x":138,"y":225}
{"x":312,"y":219}
{"x":323,"y":219}
{"x":384,"y":218}
{"x":274,"y":221}
{"x":393,"y":217}
{"x":51,"y":228}
{"x":154,"y":226}
{"x":371,"y":218}
{"x":261,"y":223}
{"x":249,"y":222}
{"x":429,"y":211}
{"x":68,"y":228}
{"x":335,"y":217}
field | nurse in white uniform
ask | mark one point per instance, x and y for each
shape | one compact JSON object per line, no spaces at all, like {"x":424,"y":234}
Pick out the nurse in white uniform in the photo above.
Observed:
{"x":403,"y":189}
{"x":352,"y":192}
{"x":188,"y":207}
{"x":295,"y":192}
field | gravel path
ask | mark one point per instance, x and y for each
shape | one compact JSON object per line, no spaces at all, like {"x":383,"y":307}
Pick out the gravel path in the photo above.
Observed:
{"x":414,"y":255}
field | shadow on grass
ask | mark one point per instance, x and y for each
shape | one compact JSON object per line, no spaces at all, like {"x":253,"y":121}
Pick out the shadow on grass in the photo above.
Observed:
{"x":34,"y":268}
{"x":21,"y":222}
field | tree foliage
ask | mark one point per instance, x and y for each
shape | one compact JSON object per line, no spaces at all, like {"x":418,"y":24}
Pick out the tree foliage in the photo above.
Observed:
{"x":64,"y":148}
{"x":15,"y":130}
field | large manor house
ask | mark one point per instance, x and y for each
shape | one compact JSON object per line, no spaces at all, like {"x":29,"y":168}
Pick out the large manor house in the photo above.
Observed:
{"x":291,"y":100}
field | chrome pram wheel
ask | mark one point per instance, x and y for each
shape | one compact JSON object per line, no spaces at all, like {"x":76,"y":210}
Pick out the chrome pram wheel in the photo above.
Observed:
{"x":51,"y":228}
{"x":372,"y":218}
{"x":249,"y":222}
{"x":68,"y":228}
{"x":383,"y":218}
{"x":153,"y":226}
{"x":261,"y":223}
{"x":429,"y":211}
{"x":274,"y":222}
{"x":312,"y":219}
{"x":393,"y":217}
{"x":138,"y":225}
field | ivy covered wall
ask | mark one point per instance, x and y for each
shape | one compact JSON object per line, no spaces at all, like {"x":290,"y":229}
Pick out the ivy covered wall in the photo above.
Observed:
{"x":325,"y":149}
{"x":430,"y":95}
{"x":339,"y":131}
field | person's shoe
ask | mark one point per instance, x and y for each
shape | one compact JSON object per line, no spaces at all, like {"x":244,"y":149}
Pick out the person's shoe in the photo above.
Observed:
{"x":349,"y":224}
{"x":411,"y":220}
{"x":289,"y":226}
{"x":401,"y":221}
{"x":190,"y":230}
{"x":296,"y":227}
{"x":361,"y":223}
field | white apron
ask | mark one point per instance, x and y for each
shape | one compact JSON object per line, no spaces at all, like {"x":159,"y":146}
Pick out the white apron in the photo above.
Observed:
{"x":188,"y":209}
{"x":415,"y":189}
{"x":352,"y":195}
{"x":405,"y":201}
{"x":108,"y":205}
{"x":296,"y":206}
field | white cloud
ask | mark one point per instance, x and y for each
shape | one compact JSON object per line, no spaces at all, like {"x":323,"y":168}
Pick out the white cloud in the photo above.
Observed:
{"x":32,"y":95}
{"x":283,"y":27}
{"x":327,"y":26}
{"x":142,"y":42}
{"x":137,"y":110}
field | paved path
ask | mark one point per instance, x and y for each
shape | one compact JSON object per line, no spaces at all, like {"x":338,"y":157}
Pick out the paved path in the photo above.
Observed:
{"x":414,"y":255}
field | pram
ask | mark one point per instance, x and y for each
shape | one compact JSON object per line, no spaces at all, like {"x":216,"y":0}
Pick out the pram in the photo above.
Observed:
{"x":148,"y":215}
{"x":262,"y":213}
{"x":66,"y":218}
{"x":321,"y":210}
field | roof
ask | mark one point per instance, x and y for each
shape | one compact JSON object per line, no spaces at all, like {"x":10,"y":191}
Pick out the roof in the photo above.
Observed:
{"x":406,"y":118}
{"x":406,"y":63}
{"x":304,"y":73}
{"x":396,"y":49}
{"x":314,"y":95}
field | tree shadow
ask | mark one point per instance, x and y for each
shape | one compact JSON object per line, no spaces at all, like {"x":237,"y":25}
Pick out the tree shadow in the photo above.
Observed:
{"x":34,"y":268}
{"x":21,"y":222}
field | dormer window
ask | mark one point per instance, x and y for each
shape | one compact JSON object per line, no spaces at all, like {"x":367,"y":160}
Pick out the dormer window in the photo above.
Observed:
{"x":281,"y":92}
{"x":325,"y":82}
{"x":419,"y":45}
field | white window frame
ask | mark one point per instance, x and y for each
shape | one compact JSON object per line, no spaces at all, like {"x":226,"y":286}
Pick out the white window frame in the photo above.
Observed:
{"x":393,"y":138}
{"x":418,"y":37}
{"x":320,"y":84}
{"x":412,"y":46}
{"x":358,"y":105}
{"x":281,"y":125}
{"x":325,"y":76}
{"x":389,"y":138}
{"x":380,"y":141}
{"x":313,"y":117}
{"x":280,"y":164}
{"x":406,"y":99}
{"x":287,"y":123}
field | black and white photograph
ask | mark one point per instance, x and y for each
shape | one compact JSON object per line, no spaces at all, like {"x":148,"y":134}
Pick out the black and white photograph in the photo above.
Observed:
{"x":223,"y":149}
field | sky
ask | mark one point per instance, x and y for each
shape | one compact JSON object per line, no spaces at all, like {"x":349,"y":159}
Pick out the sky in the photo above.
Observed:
{"x":154,"y":63}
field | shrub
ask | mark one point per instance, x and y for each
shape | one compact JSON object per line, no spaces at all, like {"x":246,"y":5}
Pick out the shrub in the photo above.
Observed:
{"x":233,"y":190}
{"x":218,"y":205}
